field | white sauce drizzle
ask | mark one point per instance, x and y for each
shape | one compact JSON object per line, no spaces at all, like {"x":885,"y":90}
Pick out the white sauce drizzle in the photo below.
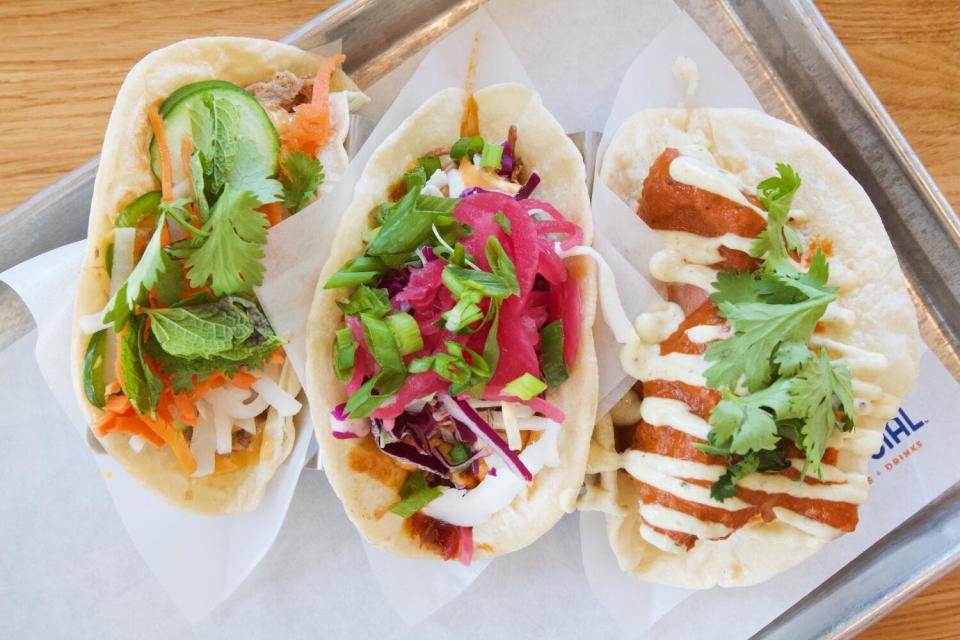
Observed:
{"x":701,"y":249}
{"x":673,"y":520}
{"x":704,"y":333}
{"x":468,"y":508}
{"x":666,"y":412}
{"x":695,"y":172}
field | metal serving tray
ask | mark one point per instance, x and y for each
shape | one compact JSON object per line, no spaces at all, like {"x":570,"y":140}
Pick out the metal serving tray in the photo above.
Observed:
{"x":800,"y":72}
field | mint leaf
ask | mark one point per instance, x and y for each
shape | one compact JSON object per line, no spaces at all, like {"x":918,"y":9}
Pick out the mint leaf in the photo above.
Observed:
{"x":141,"y":385}
{"x":200,"y":331}
{"x":213,"y":125}
{"x":300,"y":175}
{"x":229,"y":258}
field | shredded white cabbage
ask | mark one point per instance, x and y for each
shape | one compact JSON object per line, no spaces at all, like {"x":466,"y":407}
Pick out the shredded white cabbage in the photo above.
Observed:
{"x":511,"y":425}
{"x":283,"y":402}
{"x":203,"y":444}
{"x":136,"y":443}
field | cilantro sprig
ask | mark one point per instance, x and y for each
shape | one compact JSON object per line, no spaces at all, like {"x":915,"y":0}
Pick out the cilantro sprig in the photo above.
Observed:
{"x":794,"y":392}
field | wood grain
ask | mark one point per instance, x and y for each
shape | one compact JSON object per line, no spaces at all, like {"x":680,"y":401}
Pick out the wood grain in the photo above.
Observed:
{"x":61,"y":63}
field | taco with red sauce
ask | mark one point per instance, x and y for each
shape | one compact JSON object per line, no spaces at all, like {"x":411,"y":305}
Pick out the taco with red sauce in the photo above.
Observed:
{"x":785,"y":342}
{"x":451,"y":372}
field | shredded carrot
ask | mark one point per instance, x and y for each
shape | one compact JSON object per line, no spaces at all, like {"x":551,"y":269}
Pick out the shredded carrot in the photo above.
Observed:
{"x":243,"y":379}
{"x":176,"y":441}
{"x":310,"y":128}
{"x":129,"y":424}
{"x":273,"y":211}
{"x":117,"y":404}
{"x":112,"y":388}
{"x":186,"y":149}
{"x":186,"y":409}
{"x":214,"y":381}
{"x":166,"y":168}
{"x":278,"y":356}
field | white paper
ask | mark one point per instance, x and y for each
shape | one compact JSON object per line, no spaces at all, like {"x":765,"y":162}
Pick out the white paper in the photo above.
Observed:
{"x":648,"y":610}
{"x":199,"y":560}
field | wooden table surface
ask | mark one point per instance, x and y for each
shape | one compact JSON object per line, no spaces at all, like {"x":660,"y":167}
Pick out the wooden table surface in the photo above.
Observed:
{"x":61,"y":63}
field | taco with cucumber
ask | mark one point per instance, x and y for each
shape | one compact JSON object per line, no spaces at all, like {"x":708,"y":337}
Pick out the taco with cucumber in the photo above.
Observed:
{"x":450,"y":368}
{"x":763,"y":381}
{"x":176,"y":367}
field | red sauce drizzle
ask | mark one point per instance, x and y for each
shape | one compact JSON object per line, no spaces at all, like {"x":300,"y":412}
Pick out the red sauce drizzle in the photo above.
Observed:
{"x":436,"y":535}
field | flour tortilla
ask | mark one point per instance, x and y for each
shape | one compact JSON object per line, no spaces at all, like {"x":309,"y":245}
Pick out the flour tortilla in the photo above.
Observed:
{"x":367,"y":495}
{"x":124,"y":174}
{"x":749,"y":143}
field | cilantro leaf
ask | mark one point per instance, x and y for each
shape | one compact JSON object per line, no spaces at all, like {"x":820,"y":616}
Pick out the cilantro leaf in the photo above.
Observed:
{"x":301,"y":175}
{"x":229,"y":258}
{"x":744,"y":424}
{"x":776,"y":193}
{"x":143,"y":278}
{"x":790,"y":356}
{"x":760,"y":328}
{"x":818,"y":392}
{"x":762,"y":461}
{"x":251,"y":172}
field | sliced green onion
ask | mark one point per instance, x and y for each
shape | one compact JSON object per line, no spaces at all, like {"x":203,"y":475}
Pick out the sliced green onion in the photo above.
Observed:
{"x":415,"y":495}
{"x":374,"y":393}
{"x":490,"y":156}
{"x":525,"y":387}
{"x":416,"y":178}
{"x":551,"y":354}
{"x":366,"y":299}
{"x":406,"y":332}
{"x":429,"y":164}
{"x":93,"y":384}
{"x":146,"y":206}
{"x":381,"y":342}
{"x":459,"y":453}
{"x":503,"y":222}
{"x":344,"y":353}
{"x":466,"y":147}
{"x":357,"y":271}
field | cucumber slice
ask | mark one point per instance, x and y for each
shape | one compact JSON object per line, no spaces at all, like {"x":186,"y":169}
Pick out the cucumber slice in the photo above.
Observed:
{"x":145,"y":206}
{"x":254,"y":123}
{"x":93,"y":386}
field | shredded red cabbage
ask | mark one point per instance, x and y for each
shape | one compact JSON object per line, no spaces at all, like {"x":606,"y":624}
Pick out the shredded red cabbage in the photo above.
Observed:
{"x":528,"y":187}
{"x":506,"y":160}
{"x":462,"y":411}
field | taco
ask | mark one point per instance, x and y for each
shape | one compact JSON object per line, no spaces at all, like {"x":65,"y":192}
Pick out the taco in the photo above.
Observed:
{"x":450,"y":368}
{"x":763,"y":382}
{"x":178,"y":371}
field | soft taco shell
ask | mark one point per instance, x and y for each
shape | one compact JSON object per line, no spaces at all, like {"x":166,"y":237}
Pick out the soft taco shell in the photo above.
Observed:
{"x":124,"y":174}
{"x":749,"y":143}
{"x":365,"y":479}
